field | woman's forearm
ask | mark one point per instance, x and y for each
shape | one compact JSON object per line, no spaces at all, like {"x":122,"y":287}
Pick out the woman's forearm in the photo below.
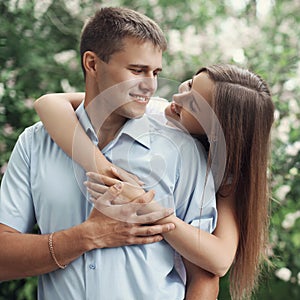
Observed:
{"x":212,"y":252}
{"x":56,"y":111}
{"x":199,"y":247}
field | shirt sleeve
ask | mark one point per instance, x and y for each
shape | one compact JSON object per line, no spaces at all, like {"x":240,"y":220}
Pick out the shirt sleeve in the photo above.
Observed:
{"x":195,"y":193}
{"x":16,"y":207}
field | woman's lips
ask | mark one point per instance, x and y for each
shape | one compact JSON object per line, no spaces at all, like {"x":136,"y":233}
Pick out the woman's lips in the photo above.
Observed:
{"x":175,"y":109}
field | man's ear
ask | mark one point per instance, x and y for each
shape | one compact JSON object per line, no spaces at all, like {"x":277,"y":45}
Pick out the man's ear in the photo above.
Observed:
{"x":89,"y":61}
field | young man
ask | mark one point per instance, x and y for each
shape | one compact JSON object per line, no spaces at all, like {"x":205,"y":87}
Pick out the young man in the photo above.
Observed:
{"x":121,"y":54}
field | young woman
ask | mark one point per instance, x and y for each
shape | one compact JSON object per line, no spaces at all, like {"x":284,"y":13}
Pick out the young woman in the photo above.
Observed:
{"x":242,"y":103}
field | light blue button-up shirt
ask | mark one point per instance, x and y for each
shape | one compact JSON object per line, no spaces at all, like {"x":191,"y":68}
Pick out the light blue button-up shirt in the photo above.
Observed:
{"x":43,"y":185}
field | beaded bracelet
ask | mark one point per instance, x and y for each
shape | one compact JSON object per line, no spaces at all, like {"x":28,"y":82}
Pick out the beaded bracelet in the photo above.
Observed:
{"x":51,"y":249}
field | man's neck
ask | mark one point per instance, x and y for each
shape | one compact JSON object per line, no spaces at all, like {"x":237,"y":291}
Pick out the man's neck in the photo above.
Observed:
{"x":109,"y":130}
{"x":105,"y":122}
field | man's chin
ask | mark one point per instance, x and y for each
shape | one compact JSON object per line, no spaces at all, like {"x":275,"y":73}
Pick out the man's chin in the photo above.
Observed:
{"x":136,"y":114}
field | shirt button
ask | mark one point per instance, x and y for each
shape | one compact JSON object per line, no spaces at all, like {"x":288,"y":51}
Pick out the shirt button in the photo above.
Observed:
{"x":92,"y":267}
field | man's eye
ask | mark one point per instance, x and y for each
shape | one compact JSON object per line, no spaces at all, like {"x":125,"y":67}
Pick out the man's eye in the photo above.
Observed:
{"x":156,"y":73}
{"x":190,"y":84}
{"x":137,"y":71}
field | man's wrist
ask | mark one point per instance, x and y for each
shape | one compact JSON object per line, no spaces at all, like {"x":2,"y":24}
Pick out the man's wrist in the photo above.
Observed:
{"x":85,"y":236}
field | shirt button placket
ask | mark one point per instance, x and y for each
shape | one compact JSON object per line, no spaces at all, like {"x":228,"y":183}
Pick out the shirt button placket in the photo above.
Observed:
{"x":92,"y":277}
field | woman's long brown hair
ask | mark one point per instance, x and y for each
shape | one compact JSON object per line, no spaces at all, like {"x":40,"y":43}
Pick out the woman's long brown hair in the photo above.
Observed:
{"x":243,"y":104}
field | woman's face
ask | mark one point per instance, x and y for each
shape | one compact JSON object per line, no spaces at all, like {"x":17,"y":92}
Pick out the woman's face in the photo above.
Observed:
{"x":189,"y":105}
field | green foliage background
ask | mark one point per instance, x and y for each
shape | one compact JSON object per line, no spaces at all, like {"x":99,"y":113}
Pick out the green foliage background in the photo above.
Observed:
{"x":39,"y":54}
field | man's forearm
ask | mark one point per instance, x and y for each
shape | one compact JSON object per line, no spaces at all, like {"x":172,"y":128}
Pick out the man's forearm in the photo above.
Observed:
{"x":29,"y":255}
{"x":201,"y":285}
{"x":23,"y":255}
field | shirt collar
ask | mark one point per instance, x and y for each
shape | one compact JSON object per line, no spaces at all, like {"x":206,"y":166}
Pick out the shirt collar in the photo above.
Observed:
{"x":137,"y":129}
{"x":85,"y":122}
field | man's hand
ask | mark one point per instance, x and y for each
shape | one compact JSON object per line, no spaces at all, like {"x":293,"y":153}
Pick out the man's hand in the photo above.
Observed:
{"x":109,"y":232}
{"x":119,"y":220}
{"x":201,"y":284}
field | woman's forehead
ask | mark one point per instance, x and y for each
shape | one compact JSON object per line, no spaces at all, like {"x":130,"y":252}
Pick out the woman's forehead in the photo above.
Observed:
{"x":203,"y":85}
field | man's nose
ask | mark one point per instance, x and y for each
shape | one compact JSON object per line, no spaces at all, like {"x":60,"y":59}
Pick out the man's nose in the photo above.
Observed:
{"x":148,"y":84}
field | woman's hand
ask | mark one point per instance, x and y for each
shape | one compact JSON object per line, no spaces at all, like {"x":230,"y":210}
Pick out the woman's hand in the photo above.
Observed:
{"x":125,"y":176}
{"x":117,"y":202}
{"x":113,"y":171}
{"x":98,"y":185}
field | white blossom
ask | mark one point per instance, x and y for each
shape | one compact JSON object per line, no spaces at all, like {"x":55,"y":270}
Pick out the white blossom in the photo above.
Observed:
{"x":41,"y":7}
{"x":283,"y":274}
{"x":237,"y":5}
{"x":191,"y":41}
{"x":16,"y":4}
{"x":3,"y":168}
{"x":7,"y":129}
{"x":290,"y":219}
{"x":294,"y":104}
{"x":263,"y":8}
{"x":175,"y":44}
{"x":239,"y":56}
{"x":73,"y":7}
{"x":65,"y":56}
{"x":2,"y":90}
{"x":29,"y":102}
{"x":67,"y":88}
{"x":282,"y":192}
{"x":293,"y":171}
{"x":293,"y":149}
{"x":283,"y":130}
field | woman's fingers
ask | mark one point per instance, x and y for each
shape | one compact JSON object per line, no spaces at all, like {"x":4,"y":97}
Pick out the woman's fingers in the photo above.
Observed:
{"x":141,"y":211}
{"x":130,"y":191}
{"x":131,"y":213}
{"x":125,"y":176}
{"x":152,"y":230}
{"x":105,"y":200}
{"x":145,"y":198}
{"x":151,"y":217}
{"x":101,"y":179}
{"x":96,"y":187}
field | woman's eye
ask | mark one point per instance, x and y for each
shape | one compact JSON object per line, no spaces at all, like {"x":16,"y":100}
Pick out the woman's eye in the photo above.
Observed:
{"x":185,"y":87}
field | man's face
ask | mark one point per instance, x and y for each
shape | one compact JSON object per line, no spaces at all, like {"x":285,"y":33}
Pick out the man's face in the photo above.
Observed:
{"x":129,"y":79}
